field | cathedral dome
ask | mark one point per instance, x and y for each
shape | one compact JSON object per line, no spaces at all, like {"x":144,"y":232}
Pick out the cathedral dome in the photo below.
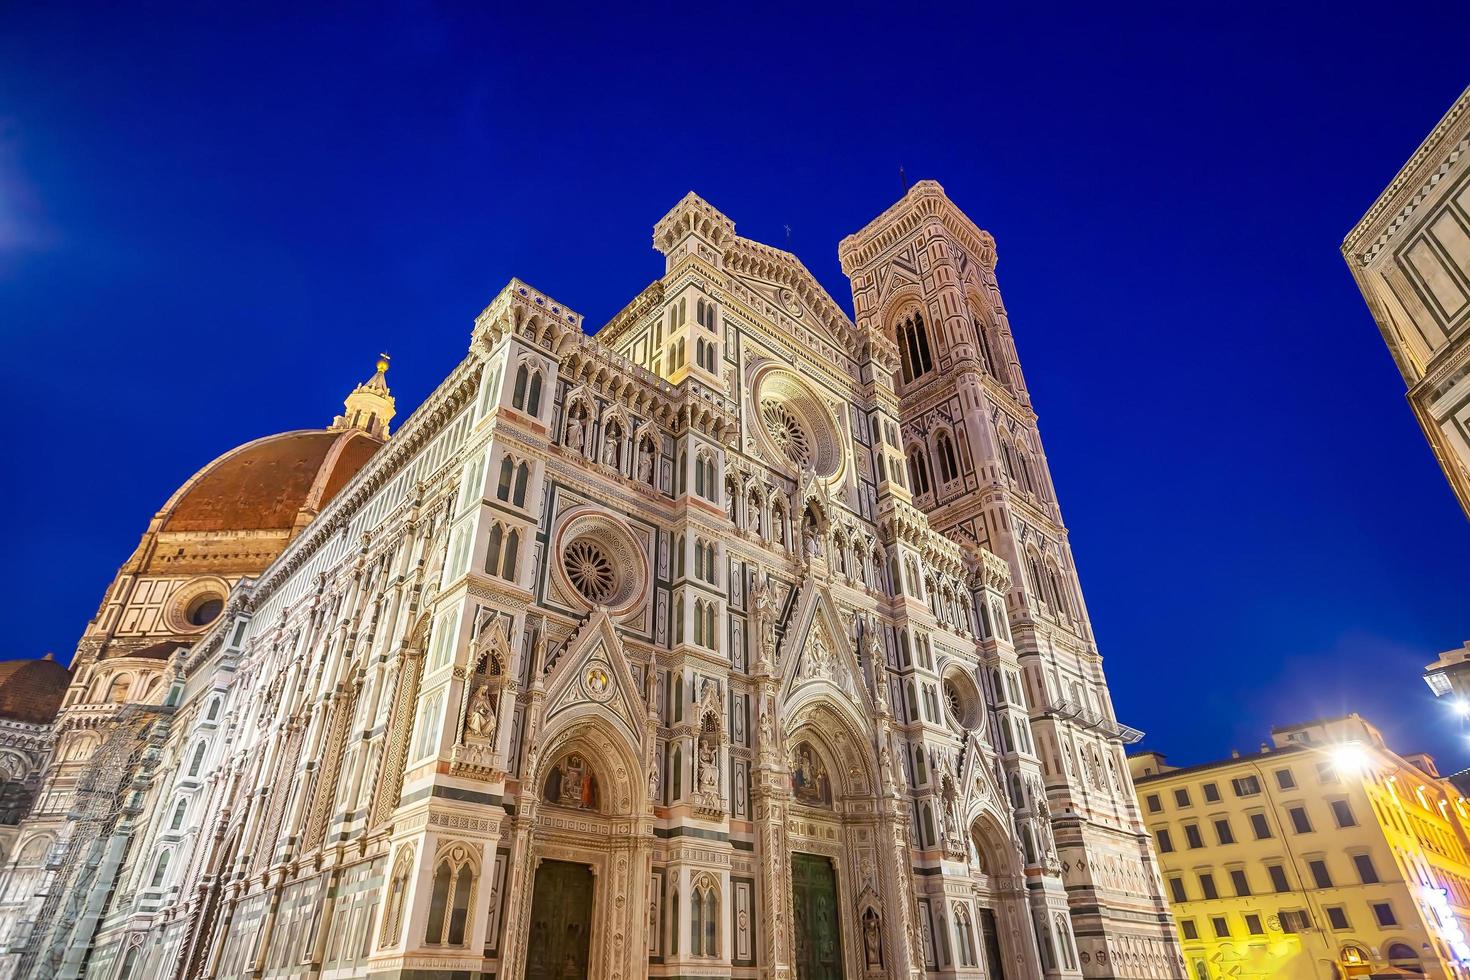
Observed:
{"x":267,"y":484}
{"x":31,"y":690}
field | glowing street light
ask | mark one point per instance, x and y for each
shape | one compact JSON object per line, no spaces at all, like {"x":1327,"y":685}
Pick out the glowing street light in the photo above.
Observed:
{"x":1349,"y":757}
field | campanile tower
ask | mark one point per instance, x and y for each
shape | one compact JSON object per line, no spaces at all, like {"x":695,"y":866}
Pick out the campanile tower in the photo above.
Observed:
{"x":923,"y":276}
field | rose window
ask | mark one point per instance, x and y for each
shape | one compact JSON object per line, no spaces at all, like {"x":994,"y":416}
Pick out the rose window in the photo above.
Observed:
{"x":786,"y":431}
{"x":793,"y":424}
{"x":601,"y":562}
{"x":590,"y":570}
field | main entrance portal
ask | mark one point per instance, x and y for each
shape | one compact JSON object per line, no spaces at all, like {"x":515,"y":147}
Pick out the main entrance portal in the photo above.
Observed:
{"x":561,"y":922}
{"x":814,"y":905}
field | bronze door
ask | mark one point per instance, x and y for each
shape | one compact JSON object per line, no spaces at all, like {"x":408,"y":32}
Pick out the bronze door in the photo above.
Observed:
{"x":814,"y":907}
{"x":561,"y":922}
{"x":990,"y":936}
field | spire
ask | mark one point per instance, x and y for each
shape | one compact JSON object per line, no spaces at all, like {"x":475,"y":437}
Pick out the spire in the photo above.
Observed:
{"x":370,"y":406}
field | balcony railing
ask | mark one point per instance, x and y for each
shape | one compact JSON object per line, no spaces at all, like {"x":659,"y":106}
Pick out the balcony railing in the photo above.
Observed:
{"x":1085,"y":717}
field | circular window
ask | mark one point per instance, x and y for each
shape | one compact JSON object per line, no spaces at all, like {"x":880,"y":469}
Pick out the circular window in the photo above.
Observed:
{"x":796,"y":427}
{"x":196,"y":605}
{"x":786,"y":431}
{"x":600,"y":562}
{"x":205,"y":610}
{"x":589,"y":569}
{"x":960,"y":700}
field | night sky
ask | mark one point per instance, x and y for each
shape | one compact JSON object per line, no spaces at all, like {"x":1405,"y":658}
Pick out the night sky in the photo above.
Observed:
{"x":210,"y":224}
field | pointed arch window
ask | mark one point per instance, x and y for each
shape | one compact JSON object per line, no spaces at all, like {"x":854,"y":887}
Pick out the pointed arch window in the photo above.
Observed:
{"x":197,"y":760}
{"x":919,"y":470}
{"x":913,"y":344}
{"x":507,"y":476}
{"x":397,"y":892}
{"x":983,"y":336}
{"x":177,"y":821}
{"x":518,"y":393}
{"x":964,"y":935}
{"x":523,"y":473}
{"x":449,"y":902}
{"x":533,"y":397}
{"x":704,"y":920}
{"x":160,"y":869}
{"x":949,"y":467}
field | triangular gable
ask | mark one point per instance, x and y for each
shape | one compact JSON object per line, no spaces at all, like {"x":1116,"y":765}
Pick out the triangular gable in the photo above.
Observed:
{"x":978,"y":786}
{"x":592,"y":673}
{"x":816,"y":650}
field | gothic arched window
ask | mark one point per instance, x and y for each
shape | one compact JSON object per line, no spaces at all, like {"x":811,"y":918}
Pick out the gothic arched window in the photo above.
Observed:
{"x":523,"y":472}
{"x":949,"y":467}
{"x":703,"y":919}
{"x":397,"y":891}
{"x":913,"y":346}
{"x":919,"y":470}
{"x":533,"y":398}
{"x":507,"y":474}
{"x":197,"y":760}
{"x":449,"y":902}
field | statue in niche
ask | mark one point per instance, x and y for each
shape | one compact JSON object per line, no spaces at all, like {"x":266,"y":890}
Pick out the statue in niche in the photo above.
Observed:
{"x":572,"y":783}
{"x":809,"y":781}
{"x":610,"y":447}
{"x":872,"y":939}
{"x":765,"y":621}
{"x":479,"y":722}
{"x":709,"y":766}
{"x":645,"y":463}
{"x":575,"y":431}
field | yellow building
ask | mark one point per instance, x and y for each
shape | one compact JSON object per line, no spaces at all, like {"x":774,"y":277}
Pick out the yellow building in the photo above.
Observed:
{"x":1323,"y":855}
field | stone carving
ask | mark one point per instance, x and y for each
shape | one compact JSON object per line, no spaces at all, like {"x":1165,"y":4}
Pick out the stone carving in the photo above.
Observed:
{"x":872,"y":940}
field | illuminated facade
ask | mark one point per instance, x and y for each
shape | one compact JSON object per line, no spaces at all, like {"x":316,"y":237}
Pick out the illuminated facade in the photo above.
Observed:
{"x":1410,"y":255}
{"x":741,"y":638}
{"x":1325,"y":855}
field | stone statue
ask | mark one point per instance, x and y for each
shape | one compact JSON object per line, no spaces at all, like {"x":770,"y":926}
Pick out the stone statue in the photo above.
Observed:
{"x":872,"y":940}
{"x":480,"y":719}
{"x":610,"y":450}
{"x":765,"y":622}
{"x":645,"y":464}
{"x":574,"y":432}
{"x":709,"y":773}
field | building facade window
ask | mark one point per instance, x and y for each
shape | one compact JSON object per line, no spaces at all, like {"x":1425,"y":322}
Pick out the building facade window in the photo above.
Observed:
{"x":1284,"y":779}
{"x":1299,"y":821}
{"x":1260,"y":826}
{"x":1278,"y":878}
{"x":1320,"y":875}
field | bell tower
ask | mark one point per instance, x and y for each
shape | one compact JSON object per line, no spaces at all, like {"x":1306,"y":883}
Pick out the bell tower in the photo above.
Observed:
{"x":923,"y":276}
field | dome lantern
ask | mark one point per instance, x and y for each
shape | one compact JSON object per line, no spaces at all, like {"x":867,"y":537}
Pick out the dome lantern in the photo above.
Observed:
{"x":370,"y":407}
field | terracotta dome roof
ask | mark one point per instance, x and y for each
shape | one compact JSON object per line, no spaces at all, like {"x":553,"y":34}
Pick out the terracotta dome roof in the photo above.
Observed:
{"x":31,"y":690}
{"x":263,"y":485}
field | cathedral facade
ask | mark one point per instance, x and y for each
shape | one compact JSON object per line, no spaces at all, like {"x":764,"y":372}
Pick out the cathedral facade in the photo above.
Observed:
{"x":739,"y":638}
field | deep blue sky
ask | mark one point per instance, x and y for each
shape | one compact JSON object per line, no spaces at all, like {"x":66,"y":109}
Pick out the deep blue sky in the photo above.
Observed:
{"x":210,"y":223}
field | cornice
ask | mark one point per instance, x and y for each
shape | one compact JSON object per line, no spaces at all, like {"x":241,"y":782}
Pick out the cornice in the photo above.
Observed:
{"x":1411,"y":184}
{"x":924,"y":202}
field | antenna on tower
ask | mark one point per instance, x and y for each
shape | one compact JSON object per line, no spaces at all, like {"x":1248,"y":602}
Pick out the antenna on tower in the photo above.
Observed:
{"x":903,"y":178}
{"x":788,"y":237}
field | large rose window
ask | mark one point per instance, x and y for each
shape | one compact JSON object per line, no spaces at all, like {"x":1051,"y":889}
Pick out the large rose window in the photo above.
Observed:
{"x":600,"y":561}
{"x":590,"y":570}
{"x":797,"y":429}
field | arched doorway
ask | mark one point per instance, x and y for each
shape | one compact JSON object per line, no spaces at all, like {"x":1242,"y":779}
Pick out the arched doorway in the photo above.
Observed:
{"x":585,"y":849}
{"x":1003,"y":916}
{"x":832,"y":842}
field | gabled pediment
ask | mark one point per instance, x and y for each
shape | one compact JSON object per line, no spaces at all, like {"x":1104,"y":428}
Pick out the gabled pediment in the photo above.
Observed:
{"x":816,"y":651}
{"x":592,"y":674}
